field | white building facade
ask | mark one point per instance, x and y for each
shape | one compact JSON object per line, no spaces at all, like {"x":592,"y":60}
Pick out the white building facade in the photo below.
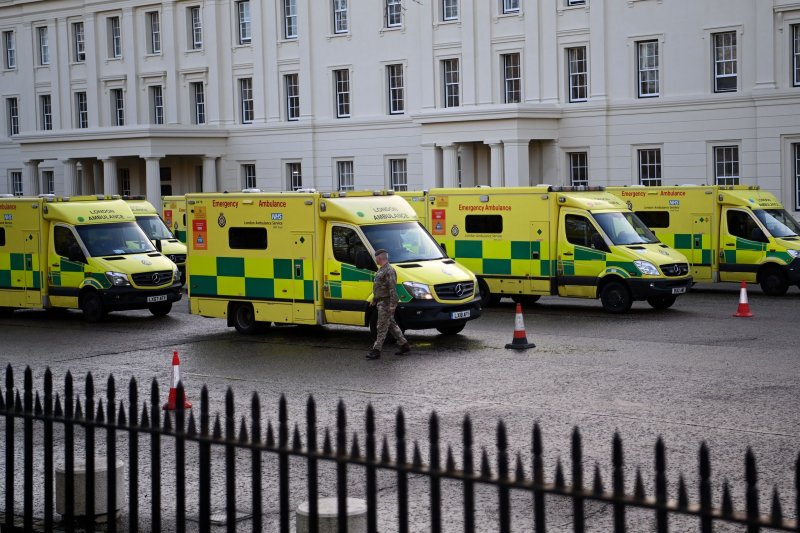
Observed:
{"x":178,"y":96}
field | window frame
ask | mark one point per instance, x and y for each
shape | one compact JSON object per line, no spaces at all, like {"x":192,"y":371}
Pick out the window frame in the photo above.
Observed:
{"x":574,"y":77}
{"x":291,"y":173}
{"x":153,"y":32}
{"x":657,"y":166}
{"x":511,"y":85}
{"x":195,"y":19}
{"x":12,"y":109}
{"x":10,"y":49}
{"x":43,"y":40}
{"x":198,"y":104}
{"x":45,"y":112}
{"x":398,"y":173}
{"x":291,"y":87}
{"x":396,"y":93}
{"x":246,"y":101}
{"x":341,"y":88}
{"x":717,"y":76}
{"x":117,"y":106}
{"x":249,"y":176}
{"x":642,"y":73}
{"x":341,"y":22}
{"x":734,"y":163}
{"x":796,"y":147}
{"x":393,"y":10}
{"x":451,"y":90}
{"x":78,"y":42}
{"x":115,"y":37}
{"x":124,"y":180}
{"x":795,"y":55}
{"x":81,"y":110}
{"x":16,"y":179}
{"x":577,"y":167}
{"x":345,"y":168}
{"x":453,"y":7}
{"x":157,"y":104}
{"x":509,"y":7}
{"x":290,"y":19}
{"x":48,"y":181}
{"x":244,"y":32}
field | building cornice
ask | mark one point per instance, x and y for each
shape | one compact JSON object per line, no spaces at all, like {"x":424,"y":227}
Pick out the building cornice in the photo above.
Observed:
{"x":115,"y":134}
{"x":488,"y":112}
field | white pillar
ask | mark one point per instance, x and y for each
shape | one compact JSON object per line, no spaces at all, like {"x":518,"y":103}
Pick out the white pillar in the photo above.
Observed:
{"x":496,"y":164}
{"x":517,"y":162}
{"x":209,"y":174}
{"x":468,"y":175}
{"x":97,"y":179}
{"x":153,"y":181}
{"x":87,"y":171}
{"x":429,"y":167}
{"x":70,"y":174}
{"x":110,"y":185}
{"x":30,"y":181}
{"x":449,"y":165}
{"x":765,"y":47}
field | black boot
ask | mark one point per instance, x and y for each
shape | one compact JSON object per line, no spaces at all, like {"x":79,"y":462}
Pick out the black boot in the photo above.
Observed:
{"x":404,"y":349}
{"x":374,"y":354}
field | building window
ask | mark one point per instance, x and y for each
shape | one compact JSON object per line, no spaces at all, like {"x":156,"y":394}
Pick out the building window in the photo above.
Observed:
{"x":397,"y":98}
{"x":157,"y":104}
{"x":725,"y":67}
{"x":578,"y":74}
{"x":46,"y":109}
{"x":576,"y":2}
{"x":726,"y":165}
{"x":44,"y":45}
{"x":340,"y":24}
{"x":449,"y":9}
{"x":12,"y":108}
{"x":81,"y":110}
{"x":292,"y":97}
{"x":114,"y":38}
{"x":117,"y":107}
{"x":451,"y":87}
{"x":394,"y":13}
{"x":294,"y":173}
{"x":198,"y":103}
{"x":512,"y":92}
{"x":16,"y":182}
{"x":342,"y":87}
{"x":10,"y":48}
{"x":249,"y":176}
{"x":196,"y":28}
{"x":650,"y":167}
{"x":344,"y":176}
{"x":290,"y":19}
{"x":398,"y":174}
{"x":154,"y":32}
{"x":578,"y":168}
{"x":648,"y":61}
{"x":796,"y":53}
{"x":124,"y":178}
{"x":78,"y":42}
{"x":796,"y":147}
{"x":243,"y":11}
{"x":510,"y":6}
{"x":48,"y":182}
{"x":247,"y":113}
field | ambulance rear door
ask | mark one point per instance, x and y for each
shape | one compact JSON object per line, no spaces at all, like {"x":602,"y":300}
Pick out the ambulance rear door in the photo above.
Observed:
{"x":303,"y":309}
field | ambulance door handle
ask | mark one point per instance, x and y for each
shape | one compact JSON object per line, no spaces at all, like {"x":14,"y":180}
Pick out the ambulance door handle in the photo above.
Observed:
{"x":534,"y":255}
{"x":568,"y":253}
{"x":298,"y":271}
{"x":697,"y":242}
{"x":334,"y":273}
{"x":729,"y":244}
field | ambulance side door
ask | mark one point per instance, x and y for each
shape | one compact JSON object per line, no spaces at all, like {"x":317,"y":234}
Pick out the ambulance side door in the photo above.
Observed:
{"x":66,"y":263}
{"x":346,"y":288}
{"x":579,"y":263}
{"x":33,"y":271}
{"x":303,"y":274}
{"x":742,"y":245}
{"x":702,"y":256}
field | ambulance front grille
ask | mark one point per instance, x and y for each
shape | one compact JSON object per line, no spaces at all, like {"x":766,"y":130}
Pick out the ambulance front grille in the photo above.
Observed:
{"x":454,"y":291}
{"x":177,"y":258}
{"x":153,"y":279}
{"x":675,"y":269}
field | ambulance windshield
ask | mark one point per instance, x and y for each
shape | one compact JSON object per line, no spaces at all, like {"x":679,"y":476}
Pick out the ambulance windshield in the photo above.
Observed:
{"x":118,"y":238}
{"x":778,"y":222}
{"x":405,"y":241}
{"x":624,"y":228}
{"x":154,"y":228}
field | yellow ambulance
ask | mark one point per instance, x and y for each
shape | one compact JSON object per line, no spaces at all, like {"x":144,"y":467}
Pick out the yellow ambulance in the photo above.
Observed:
{"x":173,"y":211}
{"x":307,"y":258}
{"x":152,"y":225}
{"x":526,"y":242}
{"x":729,"y":233}
{"x":83,"y":253}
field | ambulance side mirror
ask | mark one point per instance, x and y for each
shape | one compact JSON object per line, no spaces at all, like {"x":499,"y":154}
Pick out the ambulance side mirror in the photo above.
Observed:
{"x":443,"y":246}
{"x":363,"y":260}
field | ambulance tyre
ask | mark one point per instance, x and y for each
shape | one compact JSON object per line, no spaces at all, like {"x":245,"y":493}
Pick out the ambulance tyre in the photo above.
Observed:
{"x":244,"y":318}
{"x":487,"y":297}
{"x":452,"y":329}
{"x":615,"y":297}
{"x":161,"y":309}
{"x":661,"y":302}
{"x":773,"y":281}
{"x":92,"y":307}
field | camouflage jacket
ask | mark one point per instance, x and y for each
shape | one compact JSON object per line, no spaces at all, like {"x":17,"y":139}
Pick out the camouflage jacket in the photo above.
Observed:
{"x":385,"y":288}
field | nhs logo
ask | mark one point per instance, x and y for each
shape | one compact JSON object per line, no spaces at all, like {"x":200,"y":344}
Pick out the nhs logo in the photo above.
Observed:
{"x":277,"y":216}
{"x":674,"y":202}
{"x":8,"y":216}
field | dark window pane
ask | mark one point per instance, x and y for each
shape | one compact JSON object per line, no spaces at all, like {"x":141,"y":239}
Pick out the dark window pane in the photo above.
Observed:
{"x":247,"y":238}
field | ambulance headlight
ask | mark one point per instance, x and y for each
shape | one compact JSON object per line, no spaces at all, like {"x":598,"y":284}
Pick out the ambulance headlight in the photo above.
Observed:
{"x":794,"y":253}
{"x":176,"y":272}
{"x":420,"y":291}
{"x":646,"y":267}
{"x":118,"y":279}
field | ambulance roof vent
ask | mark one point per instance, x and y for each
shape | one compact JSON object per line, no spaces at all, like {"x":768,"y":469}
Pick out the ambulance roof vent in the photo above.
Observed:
{"x":484,"y":186}
{"x":306,"y":189}
{"x":578,"y":188}
{"x":251,"y":190}
{"x":133,"y":197}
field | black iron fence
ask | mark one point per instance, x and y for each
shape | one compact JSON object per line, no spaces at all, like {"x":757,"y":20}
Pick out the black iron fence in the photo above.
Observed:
{"x":51,"y":413}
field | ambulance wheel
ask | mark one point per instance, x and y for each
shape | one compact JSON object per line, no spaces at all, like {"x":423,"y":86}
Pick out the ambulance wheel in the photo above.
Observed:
{"x":615,"y":298}
{"x":92,"y":307}
{"x":161,"y":309}
{"x":452,"y":329}
{"x":487,"y":297}
{"x":244,"y":319}
{"x":773,"y":282}
{"x":525,"y":299}
{"x":661,"y":302}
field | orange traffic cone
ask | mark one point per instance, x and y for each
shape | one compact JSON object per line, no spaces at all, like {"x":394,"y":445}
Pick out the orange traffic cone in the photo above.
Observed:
{"x":744,"y":306}
{"x":173,"y":386}
{"x":520,"y":341}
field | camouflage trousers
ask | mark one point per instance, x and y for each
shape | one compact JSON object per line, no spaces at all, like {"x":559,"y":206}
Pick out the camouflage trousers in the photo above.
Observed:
{"x":386,"y":323}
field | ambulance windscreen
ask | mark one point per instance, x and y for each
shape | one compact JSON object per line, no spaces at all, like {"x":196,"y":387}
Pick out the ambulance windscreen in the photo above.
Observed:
{"x":405,"y":241}
{"x":118,"y":238}
{"x":624,"y":228}
{"x":778,"y":222}
{"x":154,"y":228}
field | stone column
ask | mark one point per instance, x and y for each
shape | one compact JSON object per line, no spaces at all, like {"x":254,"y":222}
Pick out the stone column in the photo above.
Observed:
{"x":110,"y":185}
{"x":517,"y":162}
{"x":153,"y":181}
{"x":70,"y":174}
{"x":87,"y":170}
{"x":468,"y":174}
{"x":449,"y":165}
{"x":97,"y":179}
{"x":30,"y":180}
{"x":209,"y":174}
{"x":496,"y":164}
{"x":429,"y":166}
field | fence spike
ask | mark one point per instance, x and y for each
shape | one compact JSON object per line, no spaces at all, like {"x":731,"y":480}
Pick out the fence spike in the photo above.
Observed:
{"x":243,"y":431}
{"x":727,"y":503}
{"x":133,"y":399}
{"x":466,"y":432}
{"x":101,"y":415}
{"x":751,"y":482}
{"x":327,"y":449}
{"x":341,"y":425}
{"x":78,"y":410}
{"x":661,"y":469}
{"x":217,"y":431}
{"x":155,"y":412}
{"x":370,"y":422}
{"x":57,"y":411}
{"x":145,"y":418}
{"x":559,"y":477}
{"x":433,"y":440}
{"x":88,"y":401}
{"x":776,"y":515}
{"x":18,"y":403}
{"x":486,"y":470}
{"x":296,"y":443}
{"x":167,"y":423}
{"x":597,"y":484}
{"x":538,"y":466}
{"x":192,"y":429}
{"x":577,"y":460}
{"x":450,"y":463}
{"x":416,"y":460}
{"x":638,"y":490}
{"x":255,"y":416}
{"x":37,"y":405}
{"x":385,"y":456}
{"x":270,"y":435}
{"x":122,"y":420}
{"x":683,"y":496}
{"x":355,"y":450}
{"x":519,"y":474}
{"x":618,"y":465}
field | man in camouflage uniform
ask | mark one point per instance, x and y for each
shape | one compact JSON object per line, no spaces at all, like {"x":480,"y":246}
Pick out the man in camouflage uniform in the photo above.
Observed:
{"x":385,"y":298}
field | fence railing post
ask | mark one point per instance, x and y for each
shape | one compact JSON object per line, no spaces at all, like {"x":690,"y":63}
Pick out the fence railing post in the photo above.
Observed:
{"x":48,"y":450}
{"x":204,"y":468}
{"x":133,"y":456}
{"x":341,"y":467}
{"x":27,"y":467}
{"x":9,"y":464}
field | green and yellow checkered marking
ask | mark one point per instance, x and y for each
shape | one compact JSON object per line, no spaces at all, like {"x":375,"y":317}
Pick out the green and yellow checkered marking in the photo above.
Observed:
{"x":684,"y":243}
{"x":15,"y":275}
{"x":502,"y":258}
{"x":254,"y":278}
